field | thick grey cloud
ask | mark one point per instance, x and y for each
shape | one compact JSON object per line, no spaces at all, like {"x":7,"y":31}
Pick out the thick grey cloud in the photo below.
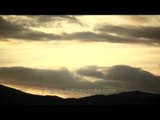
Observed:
{"x":8,"y":28}
{"x":34,"y":35}
{"x":61,"y":78}
{"x":103,"y":37}
{"x":106,"y":33}
{"x":120,"y":78}
{"x":124,"y":77}
{"x":11,"y":30}
{"x":150,"y":33}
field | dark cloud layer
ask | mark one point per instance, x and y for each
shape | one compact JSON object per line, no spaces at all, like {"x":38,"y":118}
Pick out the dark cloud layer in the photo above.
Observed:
{"x":104,"y":33}
{"x":133,"y":78}
{"x":61,"y":78}
{"x":150,"y":33}
{"x":8,"y":28}
{"x":34,"y":35}
{"x":11,"y":30}
{"x":120,"y":77}
{"x":103,"y":37}
{"x":133,"y":31}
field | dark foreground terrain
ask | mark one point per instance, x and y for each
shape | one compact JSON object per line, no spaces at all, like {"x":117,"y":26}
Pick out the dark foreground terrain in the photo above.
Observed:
{"x":9,"y":96}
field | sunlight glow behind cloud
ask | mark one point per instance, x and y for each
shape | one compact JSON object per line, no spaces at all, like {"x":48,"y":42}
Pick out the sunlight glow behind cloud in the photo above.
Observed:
{"x":73,"y":42}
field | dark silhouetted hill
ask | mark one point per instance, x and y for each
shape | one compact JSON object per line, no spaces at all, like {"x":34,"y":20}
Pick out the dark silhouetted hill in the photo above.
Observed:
{"x":9,"y":96}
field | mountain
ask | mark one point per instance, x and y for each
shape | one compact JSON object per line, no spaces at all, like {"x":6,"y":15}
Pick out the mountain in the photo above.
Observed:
{"x":10,"y":96}
{"x":15,"y":97}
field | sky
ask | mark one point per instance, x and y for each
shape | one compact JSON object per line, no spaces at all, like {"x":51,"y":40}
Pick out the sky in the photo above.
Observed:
{"x":75,"y":53}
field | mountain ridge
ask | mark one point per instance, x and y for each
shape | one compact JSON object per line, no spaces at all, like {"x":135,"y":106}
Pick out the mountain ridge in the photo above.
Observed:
{"x":10,"y":96}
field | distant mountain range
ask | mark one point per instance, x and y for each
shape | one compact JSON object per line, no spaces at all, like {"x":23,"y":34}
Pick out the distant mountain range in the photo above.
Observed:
{"x":10,"y":96}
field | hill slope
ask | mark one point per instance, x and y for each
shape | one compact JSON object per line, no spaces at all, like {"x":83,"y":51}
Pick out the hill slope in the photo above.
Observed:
{"x":9,"y":96}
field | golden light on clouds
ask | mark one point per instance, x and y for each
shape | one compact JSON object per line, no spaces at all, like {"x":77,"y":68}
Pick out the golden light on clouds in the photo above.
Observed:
{"x":73,"y":42}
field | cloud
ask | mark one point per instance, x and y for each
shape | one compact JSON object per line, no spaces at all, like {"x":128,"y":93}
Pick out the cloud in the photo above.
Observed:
{"x":148,"y":33}
{"x":105,"y":33}
{"x":119,"y":77}
{"x":34,"y":36}
{"x":102,"y":37}
{"x":11,"y":30}
{"x":60,"y":78}
{"x":36,"y":76}
{"x":124,"y":77}
{"x":56,"y":18}
{"x":43,"y":20}
{"x":8,"y":27}
{"x":133,"y":31}
{"x":68,"y":18}
{"x":91,"y":71}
